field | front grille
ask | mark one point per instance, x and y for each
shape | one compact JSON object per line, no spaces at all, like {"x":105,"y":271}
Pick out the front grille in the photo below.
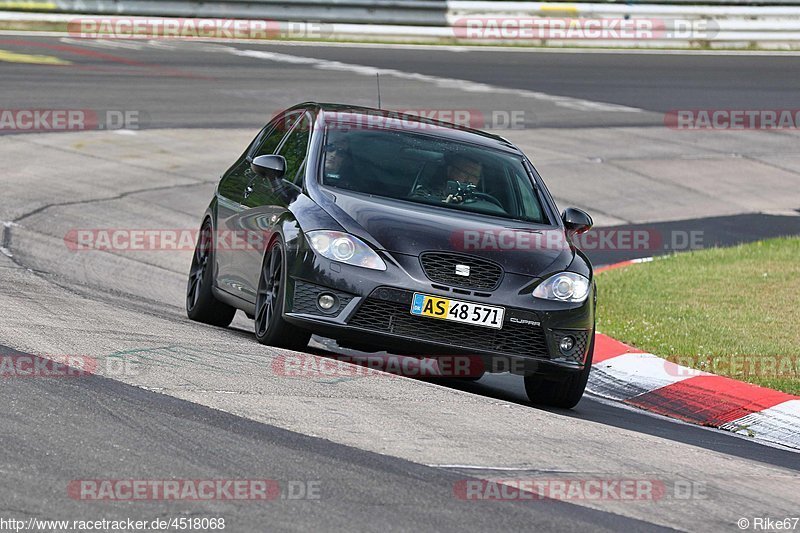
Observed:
{"x":395,"y":317}
{"x":441,"y":267}
{"x":305,"y":297}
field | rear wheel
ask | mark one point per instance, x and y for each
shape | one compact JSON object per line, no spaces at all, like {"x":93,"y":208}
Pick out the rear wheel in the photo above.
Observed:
{"x":560,"y":391}
{"x":270,"y":326}
{"x":201,"y":305}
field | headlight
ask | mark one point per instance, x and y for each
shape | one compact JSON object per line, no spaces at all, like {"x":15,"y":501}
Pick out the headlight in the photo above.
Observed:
{"x":345,"y":248}
{"x":565,"y":287}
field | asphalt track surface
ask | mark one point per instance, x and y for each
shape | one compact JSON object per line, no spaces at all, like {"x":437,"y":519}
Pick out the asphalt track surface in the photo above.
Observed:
{"x":174,"y":81}
{"x":193,"y":442}
{"x":656,"y":82}
{"x":199,"y":412}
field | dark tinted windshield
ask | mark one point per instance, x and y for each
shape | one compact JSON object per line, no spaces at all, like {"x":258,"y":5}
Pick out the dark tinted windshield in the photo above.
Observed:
{"x":426,"y":169}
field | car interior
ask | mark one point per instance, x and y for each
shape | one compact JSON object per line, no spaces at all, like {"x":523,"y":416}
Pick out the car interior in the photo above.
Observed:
{"x":413,"y":167}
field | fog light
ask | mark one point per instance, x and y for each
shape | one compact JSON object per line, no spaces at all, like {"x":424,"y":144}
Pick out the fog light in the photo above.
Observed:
{"x":567,"y":344}
{"x":326,"y":301}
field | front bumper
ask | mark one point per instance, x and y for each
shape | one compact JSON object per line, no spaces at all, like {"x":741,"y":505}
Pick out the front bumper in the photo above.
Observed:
{"x":372,"y":311}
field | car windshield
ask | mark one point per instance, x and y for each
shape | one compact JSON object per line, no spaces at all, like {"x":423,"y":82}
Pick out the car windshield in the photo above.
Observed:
{"x":426,"y":169}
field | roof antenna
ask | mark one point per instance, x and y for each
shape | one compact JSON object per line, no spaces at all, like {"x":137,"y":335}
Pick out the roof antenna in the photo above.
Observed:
{"x":378,"y":79}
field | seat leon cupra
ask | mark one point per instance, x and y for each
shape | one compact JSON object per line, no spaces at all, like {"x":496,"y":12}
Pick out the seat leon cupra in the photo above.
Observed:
{"x":386,"y":231}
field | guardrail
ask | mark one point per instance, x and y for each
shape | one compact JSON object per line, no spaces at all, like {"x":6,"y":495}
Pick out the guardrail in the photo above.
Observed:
{"x":551,"y":9}
{"x":411,"y":12}
{"x":477,"y":22}
{"x":754,"y":3}
{"x":667,"y":24}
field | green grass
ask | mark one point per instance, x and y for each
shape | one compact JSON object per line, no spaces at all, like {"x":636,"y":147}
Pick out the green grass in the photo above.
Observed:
{"x":730,"y":311}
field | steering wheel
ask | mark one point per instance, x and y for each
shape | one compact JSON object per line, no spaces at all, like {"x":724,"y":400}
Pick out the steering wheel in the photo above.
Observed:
{"x":488,"y":198}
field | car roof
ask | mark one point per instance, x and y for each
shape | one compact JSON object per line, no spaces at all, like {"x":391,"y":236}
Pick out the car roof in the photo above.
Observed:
{"x":412,"y":123}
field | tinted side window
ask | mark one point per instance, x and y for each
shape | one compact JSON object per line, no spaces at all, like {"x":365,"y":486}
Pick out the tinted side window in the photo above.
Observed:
{"x":255,"y":143}
{"x":295,"y":148}
{"x":298,"y":179}
{"x":531,"y":207}
{"x":271,"y":138}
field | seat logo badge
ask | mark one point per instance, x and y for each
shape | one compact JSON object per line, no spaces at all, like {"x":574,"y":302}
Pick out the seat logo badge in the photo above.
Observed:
{"x":462,"y":270}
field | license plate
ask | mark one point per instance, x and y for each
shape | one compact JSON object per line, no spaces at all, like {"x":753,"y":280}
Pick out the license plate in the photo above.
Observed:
{"x":489,"y":316}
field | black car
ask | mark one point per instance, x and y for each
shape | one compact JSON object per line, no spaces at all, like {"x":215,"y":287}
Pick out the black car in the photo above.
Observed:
{"x":392,"y":232}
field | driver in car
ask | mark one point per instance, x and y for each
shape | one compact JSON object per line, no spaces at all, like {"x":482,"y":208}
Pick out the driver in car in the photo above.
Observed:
{"x":462,"y":171}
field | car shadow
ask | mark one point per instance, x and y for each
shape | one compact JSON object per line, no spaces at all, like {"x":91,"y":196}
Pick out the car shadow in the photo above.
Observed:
{"x":510,"y":388}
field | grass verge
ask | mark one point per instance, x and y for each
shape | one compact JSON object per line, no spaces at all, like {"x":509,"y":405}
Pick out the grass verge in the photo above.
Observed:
{"x":730,"y":311}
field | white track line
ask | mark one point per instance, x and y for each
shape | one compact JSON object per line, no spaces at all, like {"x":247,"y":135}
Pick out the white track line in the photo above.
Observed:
{"x":105,"y":43}
{"x":577,"y":104}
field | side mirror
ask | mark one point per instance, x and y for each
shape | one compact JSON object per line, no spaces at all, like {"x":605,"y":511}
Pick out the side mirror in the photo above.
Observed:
{"x":271,"y":167}
{"x":576,"y":221}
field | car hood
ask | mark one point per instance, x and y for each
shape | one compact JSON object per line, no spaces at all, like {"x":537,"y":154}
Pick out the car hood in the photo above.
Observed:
{"x":408,"y":228}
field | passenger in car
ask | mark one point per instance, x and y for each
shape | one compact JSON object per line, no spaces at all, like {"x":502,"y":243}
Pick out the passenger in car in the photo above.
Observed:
{"x":339,"y":170}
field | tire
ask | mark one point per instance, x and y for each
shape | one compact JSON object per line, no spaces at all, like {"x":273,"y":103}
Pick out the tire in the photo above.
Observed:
{"x":201,"y":305}
{"x":563,"y":391}
{"x":270,"y":326}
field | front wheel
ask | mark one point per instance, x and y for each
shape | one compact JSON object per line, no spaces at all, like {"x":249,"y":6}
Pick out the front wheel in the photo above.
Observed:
{"x":201,"y":305}
{"x":563,"y":391}
{"x":270,"y":326}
